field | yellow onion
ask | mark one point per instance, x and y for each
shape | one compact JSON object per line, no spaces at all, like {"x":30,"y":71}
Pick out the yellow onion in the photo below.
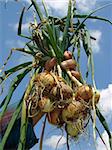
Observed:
{"x":45,"y":104}
{"x":45,"y":79}
{"x":72,"y":111}
{"x":54,"y":117}
{"x":72,"y":130}
{"x":66,"y":90}
{"x":85,"y":93}
{"x":50,"y":64}
{"x":68,"y":64}
{"x":76,"y":74}
{"x":67,"y":55}
{"x":63,"y":91}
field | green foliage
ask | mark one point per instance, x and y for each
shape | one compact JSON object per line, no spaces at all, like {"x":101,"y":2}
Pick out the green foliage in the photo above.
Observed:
{"x":45,"y":43}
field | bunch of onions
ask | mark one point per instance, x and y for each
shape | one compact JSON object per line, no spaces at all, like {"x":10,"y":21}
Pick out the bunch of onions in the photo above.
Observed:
{"x":64,"y":105}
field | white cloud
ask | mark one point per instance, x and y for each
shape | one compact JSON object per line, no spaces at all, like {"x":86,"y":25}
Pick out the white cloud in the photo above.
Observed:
{"x":100,"y":145}
{"x":54,"y":139}
{"x":57,"y":7}
{"x":96,"y":43}
{"x":105,"y":103}
{"x":56,"y":4}
{"x":61,"y":6}
{"x":85,"y":5}
{"x":25,"y":26}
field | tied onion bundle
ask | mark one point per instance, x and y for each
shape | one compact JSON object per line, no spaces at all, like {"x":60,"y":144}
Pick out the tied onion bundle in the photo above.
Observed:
{"x":57,"y":88}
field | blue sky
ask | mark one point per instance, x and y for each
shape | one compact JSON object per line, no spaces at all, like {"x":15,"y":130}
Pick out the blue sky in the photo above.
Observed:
{"x":9,"y":18}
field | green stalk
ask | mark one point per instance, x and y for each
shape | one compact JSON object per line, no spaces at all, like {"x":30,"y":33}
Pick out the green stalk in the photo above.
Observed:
{"x":5,"y":63}
{"x":92,"y":17}
{"x":92,"y":68}
{"x":12,"y":88}
{"x":9,"y":72}
{"x":34,"y":3}
{"x":89,"y":16}
{"x":56,"y":48}
{"x":24,"y":123}
{"x":65,"y":34}
{"x":45,"y":8}
{"x":24,"y":117}
{"x":23,"y":50}
{"x":20,"y":25}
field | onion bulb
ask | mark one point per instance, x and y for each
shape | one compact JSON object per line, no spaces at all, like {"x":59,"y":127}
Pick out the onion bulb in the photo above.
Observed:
{"x":45,"y":104}
{"x":72,"y":130}
{"x":54,"y":117}
{"x":72,"y":111}
{"x":68,"y":64}
{"x":84,"y":92}
{"x":67,"y":55}
{"x":45,"y":79}
{"x":50,"y":64}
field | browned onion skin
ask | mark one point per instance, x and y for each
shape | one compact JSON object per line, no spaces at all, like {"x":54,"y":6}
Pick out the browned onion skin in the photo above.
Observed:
{"x":67,"y":55}
{"x":85,"y":93}
{"x":69,"y":64}
{"x":54,"y":117}
{"x":50,"y":64}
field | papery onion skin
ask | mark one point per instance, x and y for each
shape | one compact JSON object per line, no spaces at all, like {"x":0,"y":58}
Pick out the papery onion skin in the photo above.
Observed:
{"x":69,"y":64}
{"x":72,"y":130}
{"x":50,"y":64}
{"x":45,"y":104}
{"x":73,"y":111}
{"x":54,"y":117}
{"x":67,"y":55}
{"x":45,"y":79}
{"x":85,"y":93}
